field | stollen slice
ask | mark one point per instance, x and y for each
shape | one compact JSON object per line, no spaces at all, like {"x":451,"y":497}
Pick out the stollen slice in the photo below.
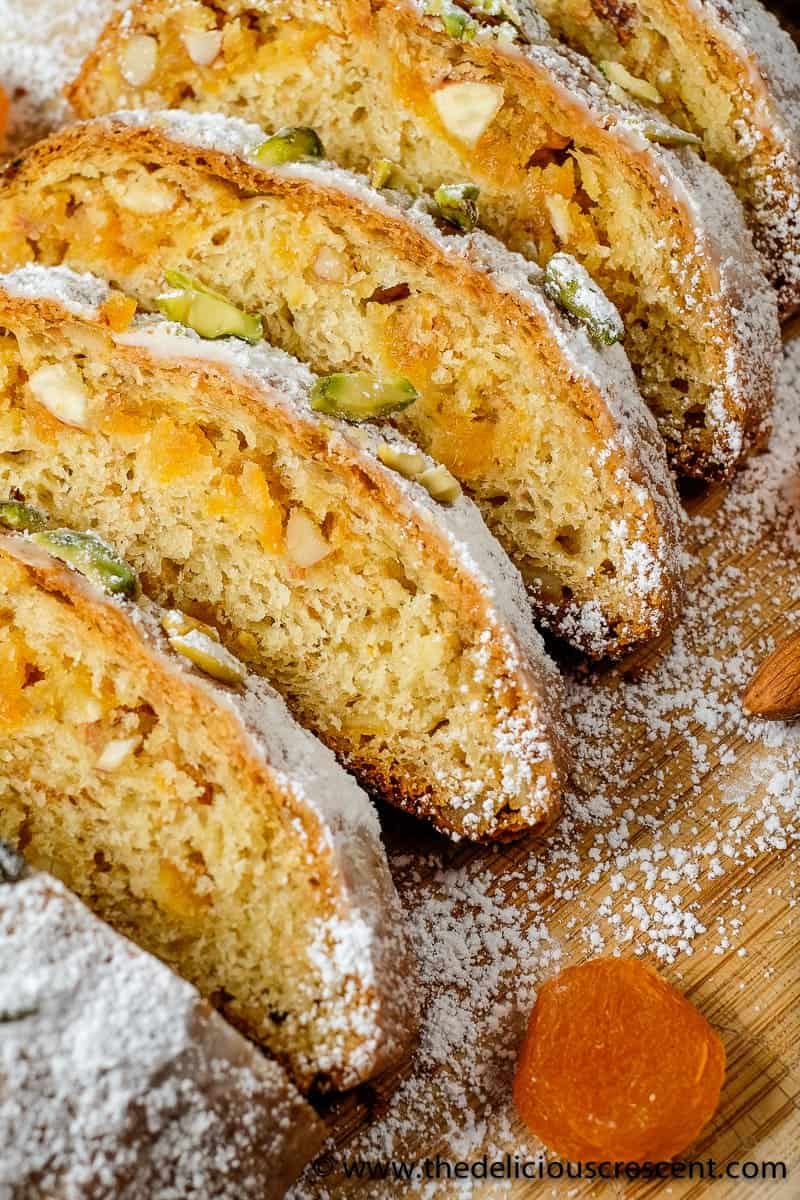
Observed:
{"x":522,"y":399}
{"x":118,"y":1080}
{"x":480,"y":95}
{"x":333,"y":558}
{"x":730,"y":74}
{"x":143,"y":766}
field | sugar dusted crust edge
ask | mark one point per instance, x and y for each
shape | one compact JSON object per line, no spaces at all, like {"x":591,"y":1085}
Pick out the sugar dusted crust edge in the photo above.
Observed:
{"x":477,"y":263}
{"x":167,"y":1084}
{"x":717,"y":249}
{"x":254,"y":731}
{"x":455,"y":537}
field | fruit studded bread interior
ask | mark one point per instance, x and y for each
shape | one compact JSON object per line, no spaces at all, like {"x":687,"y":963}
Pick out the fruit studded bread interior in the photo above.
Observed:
{"x":734,"y":79}
{"x":367,"y":603}
{"x":100,"y":1027}
{"x":546,"y":431}
{"x":559,"y":163}
{"x":198,"y":820}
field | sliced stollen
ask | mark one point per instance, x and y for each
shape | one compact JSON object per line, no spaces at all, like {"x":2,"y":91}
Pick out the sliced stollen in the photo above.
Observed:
{"x":118,"y":1080}
{"x":527,"y":406}
{"x":727,"y":72}
{"x":172,"y":791}
{"x":453,"y":93}
{"x":392,"y":622}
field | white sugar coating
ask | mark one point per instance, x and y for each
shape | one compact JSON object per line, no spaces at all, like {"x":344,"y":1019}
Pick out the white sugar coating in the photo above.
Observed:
{"x":665,"y":831}
{"x":288,"y":382}
{"x":359,"y":953}
{"x":117,"y":1080}
{"x":755,"y":35}
{"x":607,"y":368}
{"x":42,"y":46}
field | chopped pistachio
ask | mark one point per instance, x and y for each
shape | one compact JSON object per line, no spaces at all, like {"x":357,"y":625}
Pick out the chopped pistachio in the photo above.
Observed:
{"x":359,"y":396}
{"x":206,"y":653}
{"x":668,"y":135}
{"x":176,"y":623}
{"x":91,"y":556}
{"x":292,"y":144}
{"x":18,"y":516}
{"x":381,"y":172}
{"x":441,"y":485}
{"x":457,"y":204}
{"x":206,"y":312}
{"x":436,"y":480}
{"x":616,"y":74}
{"x":406,"y":463}
{"x":571,"y":287}
{"x":12,"y":865}
{"x":456,"y":22}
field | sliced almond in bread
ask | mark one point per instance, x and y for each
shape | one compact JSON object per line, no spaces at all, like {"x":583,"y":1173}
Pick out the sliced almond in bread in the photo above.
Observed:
{"x":728,"y":73}
{"x":118,"y":1080}
{"x":566,"y":162}
{"x":224,"y":839}
{"x":521,"y":396}
{"x":390,"y":620}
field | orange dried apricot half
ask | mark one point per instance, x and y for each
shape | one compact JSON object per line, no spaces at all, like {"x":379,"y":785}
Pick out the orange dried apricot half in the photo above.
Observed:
{"x":617,"y":1065}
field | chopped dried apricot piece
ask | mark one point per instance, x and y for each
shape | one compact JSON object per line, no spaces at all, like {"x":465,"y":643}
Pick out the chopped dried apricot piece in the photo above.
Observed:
{"x":617,"y":1065}
{"x":118,"y":311}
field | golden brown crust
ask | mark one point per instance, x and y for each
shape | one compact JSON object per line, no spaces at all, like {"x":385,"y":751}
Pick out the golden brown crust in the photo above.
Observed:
{"x":354,"y":874}
{"x":526,"y":686}
{"x":629,"y":441}
{"x":710,"y":247}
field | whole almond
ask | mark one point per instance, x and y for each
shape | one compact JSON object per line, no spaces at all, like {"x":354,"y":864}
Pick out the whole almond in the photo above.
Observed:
{"x":774,"y":690}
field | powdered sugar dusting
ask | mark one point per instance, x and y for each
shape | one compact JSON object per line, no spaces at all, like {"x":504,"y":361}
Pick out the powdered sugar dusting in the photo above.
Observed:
{"x":681,"y":807}
{"x":42,"y":46}
{"x":359,"y":995}
{"x":649,"y":566}
{"x":118,"y":1080}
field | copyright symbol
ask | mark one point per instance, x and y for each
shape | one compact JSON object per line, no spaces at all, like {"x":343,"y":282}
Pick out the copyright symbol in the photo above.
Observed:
{"x":324,"y":1166}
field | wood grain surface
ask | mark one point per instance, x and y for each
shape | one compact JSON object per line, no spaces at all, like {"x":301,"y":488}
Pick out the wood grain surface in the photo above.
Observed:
{"x":750,"y":992}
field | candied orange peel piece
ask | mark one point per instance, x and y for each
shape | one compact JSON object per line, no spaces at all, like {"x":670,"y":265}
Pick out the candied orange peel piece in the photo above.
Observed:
{"x":617,"y":1065}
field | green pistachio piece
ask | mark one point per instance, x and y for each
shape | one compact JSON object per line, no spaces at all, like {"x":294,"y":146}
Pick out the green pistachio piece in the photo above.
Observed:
{"x":12,"y":865}
{"x":571,"y":287}
{"x":91,"y":556}
{"x":669,"y":135}
{"x":456,"y":22}
{"x":437,"y":480}
{"x":457,"y":204}
{"x":408,"y":464}
{"x":176,"y":624}
{"x":381,"y":172}
{"x":18,"y":516}
{"x":292,"y":144}
{"x":206,"y":653}
{"x":359,"y":396}
{"x":440,"y":484}
{"x":206,"y":312}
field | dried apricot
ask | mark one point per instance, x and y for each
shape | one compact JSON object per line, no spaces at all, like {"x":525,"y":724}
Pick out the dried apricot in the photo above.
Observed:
{"x":617,"y":1065}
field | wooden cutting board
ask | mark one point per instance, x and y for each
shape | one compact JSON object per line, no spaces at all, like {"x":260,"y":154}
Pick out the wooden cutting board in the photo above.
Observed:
{"x":750,"y":989}
{"x":744,"y":589}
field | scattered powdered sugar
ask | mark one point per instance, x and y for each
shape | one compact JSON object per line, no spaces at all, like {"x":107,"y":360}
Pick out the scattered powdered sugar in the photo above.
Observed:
{"x":42,"y":46}
{"x":680,"y":804}
{"x":118,"y":1080}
